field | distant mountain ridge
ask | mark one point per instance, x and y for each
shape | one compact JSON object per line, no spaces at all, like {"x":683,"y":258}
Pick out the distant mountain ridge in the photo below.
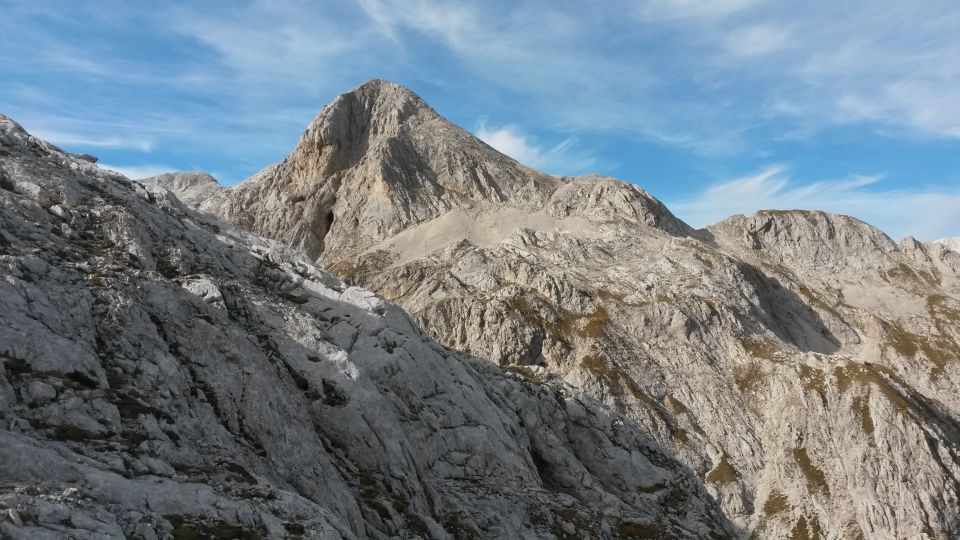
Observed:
{"x":950,"y":243}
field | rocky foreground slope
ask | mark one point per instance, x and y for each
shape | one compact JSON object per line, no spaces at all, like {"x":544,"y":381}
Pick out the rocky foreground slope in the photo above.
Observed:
{"x":802,"y":364}
{"x":163,"y":376}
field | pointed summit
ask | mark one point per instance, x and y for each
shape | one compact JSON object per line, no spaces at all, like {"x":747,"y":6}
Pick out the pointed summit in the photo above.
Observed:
{"x":378,"y":160}
{"x":383,"y":90}
{"x":385,"y":94}
{"x":375,"y":161}
{"x":376,"y":107}
{"x":343,"y":129}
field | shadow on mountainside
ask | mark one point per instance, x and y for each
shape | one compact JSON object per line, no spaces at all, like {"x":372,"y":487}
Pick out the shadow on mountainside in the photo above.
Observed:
{"x":787,"y":314}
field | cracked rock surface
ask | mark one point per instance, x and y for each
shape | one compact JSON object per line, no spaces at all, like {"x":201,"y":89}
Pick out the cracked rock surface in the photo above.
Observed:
{"x":167,"y":376}
{"x":802,"y":364}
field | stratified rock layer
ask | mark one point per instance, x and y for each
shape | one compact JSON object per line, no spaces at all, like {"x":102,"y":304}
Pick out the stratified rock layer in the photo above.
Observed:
{"x":802,"y":363}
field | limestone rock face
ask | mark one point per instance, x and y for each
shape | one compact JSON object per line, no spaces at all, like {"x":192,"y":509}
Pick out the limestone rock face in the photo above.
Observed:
{"x":378,"y":160}
{"x":817,"y":241}
{"x":953,"y":244}
{"x":165,"y":376}
{"x":803,"y":364}
{"x":192,"y":188}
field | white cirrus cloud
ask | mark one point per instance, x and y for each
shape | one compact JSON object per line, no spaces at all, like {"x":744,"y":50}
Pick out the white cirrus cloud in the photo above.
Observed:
{"x":924,"y":213}
{"x":757,"y":40}
{"x":709,"y":9}
{"x":562,"y":158}
{"x":66,"y":139}
{"x":136,"y":172}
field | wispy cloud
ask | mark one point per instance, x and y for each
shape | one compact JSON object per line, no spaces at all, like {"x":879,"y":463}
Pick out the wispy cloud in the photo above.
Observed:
{"x":671,"y":71}
{"x":709,"y":9}
{"x":924,"y":213}
{"x":698,"y":82}
{"x":260,"y":41}
{"x":75,"y":139}
{"x":136,"y":172}
{"x":564,"y":157}
{"x":850,"y":64}
{"x":757,"y":40}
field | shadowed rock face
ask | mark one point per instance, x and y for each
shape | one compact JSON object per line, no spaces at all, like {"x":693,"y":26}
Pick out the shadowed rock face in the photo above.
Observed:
{"x":801,"y":363}
{"x":162,"y":375}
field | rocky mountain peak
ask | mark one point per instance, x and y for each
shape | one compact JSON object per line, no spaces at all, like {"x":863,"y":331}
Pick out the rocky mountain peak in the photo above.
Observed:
{"x":374,"y":107}
{"x":807,"y":239}
{"x":13,"y":136}
{"x":953,"y":243}
{"x":353,"y":122}
{"x":191,"y":187}
{"x":378,"y":161}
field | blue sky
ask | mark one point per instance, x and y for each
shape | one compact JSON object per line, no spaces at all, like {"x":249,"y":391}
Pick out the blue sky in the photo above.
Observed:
{"x":716,"y":107}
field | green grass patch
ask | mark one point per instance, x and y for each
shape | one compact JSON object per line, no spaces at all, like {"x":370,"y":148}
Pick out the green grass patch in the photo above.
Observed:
{"x":674,"y":405}
{"x":869,"y":374}
{"x":760,"y":347}
{"x":862,"y":406}
{"x":813,"y":380}
{"x":803,"y":531}
{"x":613,"y":375}
{"x":723,"y":473}
{"x":749,"y":377}
{"x":776,"y":503}
{"x":681,"y":435}
{"x":915,"y":280}
{"x":816,"y":480}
